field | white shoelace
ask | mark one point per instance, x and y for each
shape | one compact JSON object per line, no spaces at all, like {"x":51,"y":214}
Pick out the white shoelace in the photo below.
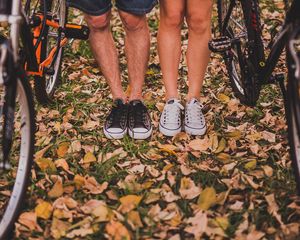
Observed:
{"x":171,"y":113}
{"x":194,"y":112}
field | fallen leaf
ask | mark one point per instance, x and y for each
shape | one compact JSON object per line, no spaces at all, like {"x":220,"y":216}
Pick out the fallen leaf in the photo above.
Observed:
{"x":135,"y":220}
{"x":188,"y":189}
{"x":89,"y":158}
{"x":46,"y":164}
{"x":43,"y":210}
{"x":207,"y":198}
{"x":62,"y":149}
{"x":57,"y":190}
{"x":200,"y":144}
{"x":251,"y":165}
{"x":28,"y":219}
{"x":117,"y":231}
{"x":129,"y":203}
{"x":223,"y":98}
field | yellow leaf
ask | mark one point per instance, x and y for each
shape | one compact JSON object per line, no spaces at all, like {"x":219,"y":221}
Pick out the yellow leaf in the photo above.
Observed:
{"x":89,"y":157}
{"x":43,"y":210}
{"x":168,"y":167}
{"x":62,"y":149}
{"x":129,"y":202}
{"x":147,"y":184}
{"x":207,"y":198}
{"x":79,"y":181}
{"x":57,"y":190}
{"x":224,"y":158}
{"x":214,"y":142}
{"x":46,"y":164}
{"x":236,"y":134}
{"x":251,"y":164}
{"x":222,"y":222}
{"x":221,"y":146}
{"x":223,"y":98}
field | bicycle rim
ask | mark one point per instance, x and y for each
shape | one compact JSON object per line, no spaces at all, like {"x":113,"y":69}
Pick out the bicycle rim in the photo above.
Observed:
{"x":13,"y":180}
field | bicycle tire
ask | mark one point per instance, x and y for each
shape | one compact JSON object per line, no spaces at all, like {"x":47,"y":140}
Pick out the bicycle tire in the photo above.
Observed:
{"x":292,"y":105}
{"x":242,"y":61}
{"x":13,"y":205}
{"x":46,"y":85}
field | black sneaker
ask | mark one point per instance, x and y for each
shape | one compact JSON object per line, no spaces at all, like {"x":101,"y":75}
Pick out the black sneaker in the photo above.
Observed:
{"x":115,"y":126}
{"x":139,"y":121}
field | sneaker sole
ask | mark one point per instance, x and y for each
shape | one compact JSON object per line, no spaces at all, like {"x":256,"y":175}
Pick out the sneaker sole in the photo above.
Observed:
{"x":195,"y":132}
{"x":169,"y":133}
{"x":140,"y":136}
{"x":114,"y":135}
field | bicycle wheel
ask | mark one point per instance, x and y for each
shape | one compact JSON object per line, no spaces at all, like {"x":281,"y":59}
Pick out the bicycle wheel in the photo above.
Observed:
{"x":239,"y":21}
{"x":19,"y":131}
{"x":293,"y":102}
{"x":46,"y":85}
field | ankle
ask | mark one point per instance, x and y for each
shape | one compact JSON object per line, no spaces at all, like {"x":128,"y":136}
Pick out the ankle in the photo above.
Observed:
{"x":169,"y":97}
{"x":122,"y":97}
{"x":190,"y":97}
{"x":135,"y":97}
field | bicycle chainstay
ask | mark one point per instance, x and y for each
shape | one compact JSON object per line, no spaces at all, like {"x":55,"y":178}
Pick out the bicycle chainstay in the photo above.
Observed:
{"x":9,"y":80}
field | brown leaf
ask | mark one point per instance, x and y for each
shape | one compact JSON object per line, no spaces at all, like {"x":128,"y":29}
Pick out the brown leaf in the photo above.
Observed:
{"x":200,"y":144}
{"x":188,"y":189}
{"x":93,"y":187}
{"x":117,"y":231}
{"x":28,"y":219}
{"x":62,"y":149}
{"x":57,"y":190}
{"x":135,"y":220}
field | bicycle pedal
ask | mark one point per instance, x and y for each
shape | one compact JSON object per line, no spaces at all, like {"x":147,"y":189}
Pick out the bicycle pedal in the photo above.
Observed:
{"x":76,"y":31}
{"x":220,"y":44}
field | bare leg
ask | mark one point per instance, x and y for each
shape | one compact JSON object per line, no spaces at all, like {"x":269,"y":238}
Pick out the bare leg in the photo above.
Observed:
{"x":198,"y":18}
{"x":169,"y":43}
{"x":137,"y":47}
{"x":105,"y":52}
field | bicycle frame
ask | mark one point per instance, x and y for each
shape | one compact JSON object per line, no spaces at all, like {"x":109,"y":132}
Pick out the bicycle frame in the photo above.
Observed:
{"x":280,"y":42}
{"x":266,"y":67}
{"x":20,"y":27}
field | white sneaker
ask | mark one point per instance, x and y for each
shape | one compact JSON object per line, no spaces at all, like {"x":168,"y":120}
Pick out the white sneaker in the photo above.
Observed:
{"x":194,"y":121}
{"x":170,"y":120}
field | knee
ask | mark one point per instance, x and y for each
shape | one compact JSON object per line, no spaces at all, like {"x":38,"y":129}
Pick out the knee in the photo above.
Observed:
{"x":98,"y":23}
{"x":172,"y":19}
{"x":198,"y":24}
{"x":133,"y":22}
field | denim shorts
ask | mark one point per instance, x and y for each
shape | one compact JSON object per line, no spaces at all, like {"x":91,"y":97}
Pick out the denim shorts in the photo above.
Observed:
{"x":99,"y":7}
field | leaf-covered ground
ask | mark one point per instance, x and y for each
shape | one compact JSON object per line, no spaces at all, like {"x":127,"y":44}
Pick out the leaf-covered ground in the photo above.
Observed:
{"x":235,"y":182}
